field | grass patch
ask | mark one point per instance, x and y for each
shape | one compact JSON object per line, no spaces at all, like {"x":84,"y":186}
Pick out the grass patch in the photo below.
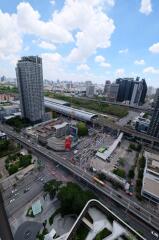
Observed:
{"x":120,"y":172}
{"x":30,"y":213}
{"x":98,"y":106}
{"x":81,"y":232}
{"x":103,"y":234}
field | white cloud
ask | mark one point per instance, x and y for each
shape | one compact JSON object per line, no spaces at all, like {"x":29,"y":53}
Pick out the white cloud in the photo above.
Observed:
{"x":102,"y":61}
{"x":27,"y":48}
{"x":123,"y":51}
{"x":105,"y":64}
{"x":52,"y":65}
{"x":29,"y":22}
{"x":151,"y":70}
{"x":139,"y":62}
{"x":154,"y":48}
{"x":83,"y":67}
{"x":146,"y":7}
{"x":94,"y":26}
{"x":52,"y":2}
{"x":10,"y":37}
{"x":47,"y":45}
{"x":99,"y":59}
{"x":120,"y":72}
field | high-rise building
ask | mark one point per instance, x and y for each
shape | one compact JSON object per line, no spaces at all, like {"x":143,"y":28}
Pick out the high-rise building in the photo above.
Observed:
{"x":107,"y":87}
{"x":125,"y":89}
{"x":90,"y":90}
{"x":154,"y":124}
{"x":3,"y":79}
{"x":30,"y":83}
{"x":113,"y":92}
{"x":131,"y":91}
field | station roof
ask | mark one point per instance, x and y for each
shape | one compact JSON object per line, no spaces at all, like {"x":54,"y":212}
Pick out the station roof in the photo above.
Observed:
{"x":53,"y":100}
{"x":71,"y":112}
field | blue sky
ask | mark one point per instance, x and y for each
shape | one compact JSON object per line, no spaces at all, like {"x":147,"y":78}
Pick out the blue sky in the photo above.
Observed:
{"x":82,"y":39}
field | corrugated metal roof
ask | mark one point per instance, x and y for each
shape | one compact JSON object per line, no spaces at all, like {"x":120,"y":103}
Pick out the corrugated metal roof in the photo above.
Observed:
{"x":69,"y":111}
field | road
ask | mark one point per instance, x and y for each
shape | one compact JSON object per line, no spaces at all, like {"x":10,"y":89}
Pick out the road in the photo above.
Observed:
{"x":105,"y":123}
{"x":149,"y":219}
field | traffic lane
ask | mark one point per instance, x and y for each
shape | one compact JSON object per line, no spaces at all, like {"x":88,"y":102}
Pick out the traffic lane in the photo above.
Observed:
{"x":62,"y":163}
{"x":134,"y":222}
{"x":23,"y":199}
{"x":10,"y":192}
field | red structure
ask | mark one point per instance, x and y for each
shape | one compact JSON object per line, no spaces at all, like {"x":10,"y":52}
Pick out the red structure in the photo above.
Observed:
{"x":68,"y":142}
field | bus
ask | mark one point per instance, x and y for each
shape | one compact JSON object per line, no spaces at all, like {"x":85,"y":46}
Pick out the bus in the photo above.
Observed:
{"x":98,"y":181}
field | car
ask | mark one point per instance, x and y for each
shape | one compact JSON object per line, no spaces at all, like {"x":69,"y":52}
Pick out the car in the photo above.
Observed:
{"x":12,"y":200}
{"x":26,"y":190}
{"x":155,"y":234}
{"x":14,"y":190}
{"x":41,"y":179}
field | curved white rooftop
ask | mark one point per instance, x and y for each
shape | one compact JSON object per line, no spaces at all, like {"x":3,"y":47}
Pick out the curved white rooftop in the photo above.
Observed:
{"x":69,"y":111}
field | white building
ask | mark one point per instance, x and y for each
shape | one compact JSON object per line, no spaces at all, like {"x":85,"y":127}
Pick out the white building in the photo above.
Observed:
{"x":150,"y":185}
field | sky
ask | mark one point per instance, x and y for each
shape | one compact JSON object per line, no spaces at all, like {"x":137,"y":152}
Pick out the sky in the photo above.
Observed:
{"x":82,"y":40}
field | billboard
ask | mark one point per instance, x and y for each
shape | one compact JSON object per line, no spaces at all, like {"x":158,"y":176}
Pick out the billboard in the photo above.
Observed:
{"x":68,"y":142}
{"x":74,"y":131}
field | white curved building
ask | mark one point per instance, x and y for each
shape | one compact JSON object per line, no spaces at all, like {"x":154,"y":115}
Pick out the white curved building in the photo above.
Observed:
{"x":69,"y":111}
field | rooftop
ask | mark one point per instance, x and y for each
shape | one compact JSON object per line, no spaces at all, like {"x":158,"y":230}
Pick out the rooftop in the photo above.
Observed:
{"x":152,"y":161}
{"x":151,"y":186}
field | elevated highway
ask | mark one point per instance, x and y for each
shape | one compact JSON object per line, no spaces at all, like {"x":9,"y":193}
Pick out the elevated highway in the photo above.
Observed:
{"x":136,"y":210}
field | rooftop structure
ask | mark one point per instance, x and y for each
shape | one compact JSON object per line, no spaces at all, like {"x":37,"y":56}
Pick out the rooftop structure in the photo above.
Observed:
{"x":150,"y":187}
{"x":95,"y":217}
{"x":107,"y":153}
{"x":53,"y":100}
{"x":71,"y":112}
{"x":36,"y":207}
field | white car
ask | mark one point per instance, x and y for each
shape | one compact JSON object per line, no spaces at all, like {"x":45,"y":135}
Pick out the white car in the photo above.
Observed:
{"x":155,"y":234}
{"x":12,"y":200}
{"x":14,"y":190}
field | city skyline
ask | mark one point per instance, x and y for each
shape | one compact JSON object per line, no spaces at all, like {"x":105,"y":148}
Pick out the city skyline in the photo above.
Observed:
{"x":103,"y":40}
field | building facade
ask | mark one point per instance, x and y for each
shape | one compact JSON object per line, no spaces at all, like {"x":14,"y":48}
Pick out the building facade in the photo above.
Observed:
{"x":154,"y":124}
{"x":90,"y":90}
{"x":131,"y":91}
{"x":107,"y":87}
{"x":113,"y":92}
{"x":30,"y":84}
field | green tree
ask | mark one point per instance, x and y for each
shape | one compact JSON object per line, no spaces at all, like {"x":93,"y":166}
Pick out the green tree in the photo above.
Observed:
{"x":73,"y":198}
{"x":13,"y":168}
{"x":25,"y":160}
{"x":131,"y":173}
{"x":4,"y":144}
{"x":82,"y":129}
{"x":120,"y":172}
{"x":52,"y":187}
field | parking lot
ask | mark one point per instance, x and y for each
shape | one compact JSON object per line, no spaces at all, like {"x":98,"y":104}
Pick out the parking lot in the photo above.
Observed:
{"x":121,"y":152}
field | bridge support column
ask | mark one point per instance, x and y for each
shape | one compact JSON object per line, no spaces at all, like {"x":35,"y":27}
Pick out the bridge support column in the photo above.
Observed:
{"x":152,"y":143}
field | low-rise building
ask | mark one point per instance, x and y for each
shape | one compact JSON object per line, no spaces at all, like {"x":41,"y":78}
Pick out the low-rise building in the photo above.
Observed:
{"x":141,"y":124}
{"x":150,"y":185}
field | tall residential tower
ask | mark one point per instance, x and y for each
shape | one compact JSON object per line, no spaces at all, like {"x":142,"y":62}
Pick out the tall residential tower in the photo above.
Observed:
{"x":30,"y":83}
{"x":154,"y":124}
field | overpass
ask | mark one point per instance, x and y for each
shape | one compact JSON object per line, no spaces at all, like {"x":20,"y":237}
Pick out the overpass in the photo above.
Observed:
{"x":143,"y":214}
{"x":145,"y":137}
